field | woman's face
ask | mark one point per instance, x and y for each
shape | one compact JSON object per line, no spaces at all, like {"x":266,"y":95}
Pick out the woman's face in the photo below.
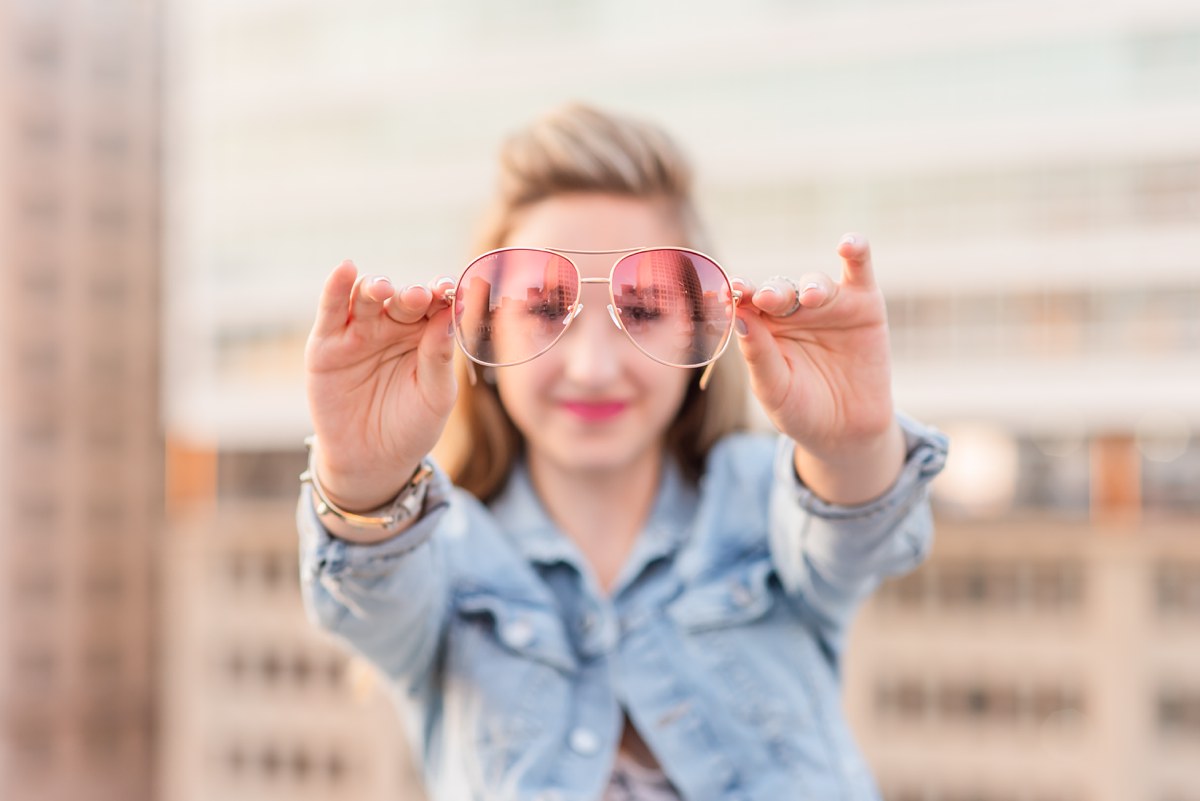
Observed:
{"x":593,"y":403}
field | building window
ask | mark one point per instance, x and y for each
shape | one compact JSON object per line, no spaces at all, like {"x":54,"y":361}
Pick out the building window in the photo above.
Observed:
{"x":1042,"y":586}
{"x":41,"y":209}
{"x":256,"y":474}
{"x":110,"y":291}
{"x":103,"y":729}
{"x":109,"y":367}
{"x":283,"y":667}
{"x":37,"y":514}
{"x":934,"y":793}
{"x":279,"y":762}
{"x":271,"y":572}
{"x":42,"y":52}
{"x":111,"y":145}
{"x":1046,"y":326}
{"x":105,"y":586}
{"x":977,"y":703}
{"x":35,"y":665}
{"x":1052,"y":475}
{"x":1171,"y":472}
{"x":104,"y":663}
{"x":41,"y":284}
{"x":32,"y":741}
{"x":111,"y":69}
{"x":35,"y":588}
{"x":40,"y":360}
{"x":107,"y":513}
{"x":1178,"y":588}
{"x":110,"y":216}
{"x":41,"y":434}
{"x":41,"y":134}
{"x":1179,"y":713}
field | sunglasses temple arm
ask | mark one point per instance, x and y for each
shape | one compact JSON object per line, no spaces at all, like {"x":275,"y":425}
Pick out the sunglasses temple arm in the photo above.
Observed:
{"x":707,"y":374}
{"x":472,"y":376}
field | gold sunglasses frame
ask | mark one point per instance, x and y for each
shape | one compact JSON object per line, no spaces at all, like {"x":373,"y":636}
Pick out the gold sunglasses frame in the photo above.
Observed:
{"x":614,"y":313}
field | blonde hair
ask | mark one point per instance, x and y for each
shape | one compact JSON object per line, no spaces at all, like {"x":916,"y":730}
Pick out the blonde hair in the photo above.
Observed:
{"x":580,"y":149}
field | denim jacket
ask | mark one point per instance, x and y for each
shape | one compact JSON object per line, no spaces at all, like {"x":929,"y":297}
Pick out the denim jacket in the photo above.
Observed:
{"x":721,"y":639}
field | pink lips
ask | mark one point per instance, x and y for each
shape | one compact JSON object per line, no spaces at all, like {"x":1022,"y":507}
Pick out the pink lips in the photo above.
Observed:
{"x":595,"y":411}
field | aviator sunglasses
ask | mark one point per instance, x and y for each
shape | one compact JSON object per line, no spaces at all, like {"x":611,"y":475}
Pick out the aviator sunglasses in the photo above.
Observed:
{"x":676,"y":305}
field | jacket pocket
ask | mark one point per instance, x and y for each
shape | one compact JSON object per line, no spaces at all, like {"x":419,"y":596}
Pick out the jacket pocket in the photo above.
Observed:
{"x":523,"y":629}
{"x":738,"y":597}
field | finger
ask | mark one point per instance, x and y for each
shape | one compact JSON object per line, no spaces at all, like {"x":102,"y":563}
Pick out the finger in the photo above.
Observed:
{"x":369,"y":294}
{"x":768,"y":369}
{"x":409,"y":305}
{"x":438,"y":288}
{"x":776,"y":297}
{"x":435,"y":352}
{"x":745,"y":285}
{"x":857,"y":269}
{"x":333,"y":310}
{"x":816,"y":290}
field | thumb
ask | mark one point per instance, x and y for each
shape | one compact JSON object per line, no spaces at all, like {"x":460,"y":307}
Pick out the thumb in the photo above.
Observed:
{"x":758,"y":345}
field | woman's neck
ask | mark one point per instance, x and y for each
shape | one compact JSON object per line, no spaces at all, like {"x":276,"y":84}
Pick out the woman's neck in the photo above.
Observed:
{"x":601,"y":511}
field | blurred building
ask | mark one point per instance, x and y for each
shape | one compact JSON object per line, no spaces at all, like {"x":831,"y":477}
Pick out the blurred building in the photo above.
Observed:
{"x":258,"y":704}
{"x":1029,"y":174}
{"x":80,"y":441}
{"x":1036,"y":661}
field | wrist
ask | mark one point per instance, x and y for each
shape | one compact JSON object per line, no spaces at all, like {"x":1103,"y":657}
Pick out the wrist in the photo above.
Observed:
{"x":357,"y":490}
{"x":855,"y":472}
{"x":386,"y":520}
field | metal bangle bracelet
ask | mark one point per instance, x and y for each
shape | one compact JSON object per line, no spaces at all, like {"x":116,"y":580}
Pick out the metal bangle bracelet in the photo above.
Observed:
{"x":406,"y":505}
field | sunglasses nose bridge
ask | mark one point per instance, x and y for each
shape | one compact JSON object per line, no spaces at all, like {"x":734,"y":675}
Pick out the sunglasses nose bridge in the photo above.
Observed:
{"x":613,"y":313}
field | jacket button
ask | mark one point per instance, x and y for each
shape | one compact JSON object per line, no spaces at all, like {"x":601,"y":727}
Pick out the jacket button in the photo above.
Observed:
{"x":517,"y":634}
{"x":584,"y":742}
{"x":741,"y":596}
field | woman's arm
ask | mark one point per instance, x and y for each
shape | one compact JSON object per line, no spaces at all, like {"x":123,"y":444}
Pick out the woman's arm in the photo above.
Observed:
{"x":849,"y":503}
{"x":388,"y":599}
{"x":380,"y":386}
{"x":830,"y":556}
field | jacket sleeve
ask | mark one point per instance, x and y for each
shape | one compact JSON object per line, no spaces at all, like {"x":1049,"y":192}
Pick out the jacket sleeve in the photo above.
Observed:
{"x":830,"y":557}
{"x":387,"y":600}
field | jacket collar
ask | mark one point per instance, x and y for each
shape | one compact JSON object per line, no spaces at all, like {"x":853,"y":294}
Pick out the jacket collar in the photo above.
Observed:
{"x":521,"y":514}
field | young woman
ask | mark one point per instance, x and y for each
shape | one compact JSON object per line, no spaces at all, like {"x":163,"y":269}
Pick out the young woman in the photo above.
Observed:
{"x":606,"y":592}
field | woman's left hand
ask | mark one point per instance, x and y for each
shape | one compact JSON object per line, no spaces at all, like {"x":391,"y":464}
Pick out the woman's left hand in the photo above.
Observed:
{"x":822,"y":368}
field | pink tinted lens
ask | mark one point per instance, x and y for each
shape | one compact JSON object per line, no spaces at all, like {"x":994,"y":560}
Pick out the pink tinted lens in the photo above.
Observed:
{"x":674,"y":304}
{"x":512,"y":305}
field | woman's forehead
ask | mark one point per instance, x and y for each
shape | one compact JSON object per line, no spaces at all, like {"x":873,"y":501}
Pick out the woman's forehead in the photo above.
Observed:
{"x":596,"y":222}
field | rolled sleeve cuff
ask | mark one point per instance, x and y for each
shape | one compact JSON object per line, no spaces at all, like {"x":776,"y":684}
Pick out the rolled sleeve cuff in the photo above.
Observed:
{"x":838,"y":551}
{"x":925,"y":456}
{"x":323,"y":553}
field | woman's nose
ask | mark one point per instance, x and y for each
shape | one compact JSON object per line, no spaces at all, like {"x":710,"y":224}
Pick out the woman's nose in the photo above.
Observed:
{"x":594,"y":346}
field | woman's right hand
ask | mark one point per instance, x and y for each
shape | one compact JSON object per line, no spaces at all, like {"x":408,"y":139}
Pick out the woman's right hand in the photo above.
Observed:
{"x":379,"y":372}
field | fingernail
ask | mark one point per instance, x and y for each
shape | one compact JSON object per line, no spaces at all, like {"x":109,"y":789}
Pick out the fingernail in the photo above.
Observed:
{"x":810,"y":285}
{"x":770,"y":288}
{"x":739,"y":325}
{"x":849,"y":239}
